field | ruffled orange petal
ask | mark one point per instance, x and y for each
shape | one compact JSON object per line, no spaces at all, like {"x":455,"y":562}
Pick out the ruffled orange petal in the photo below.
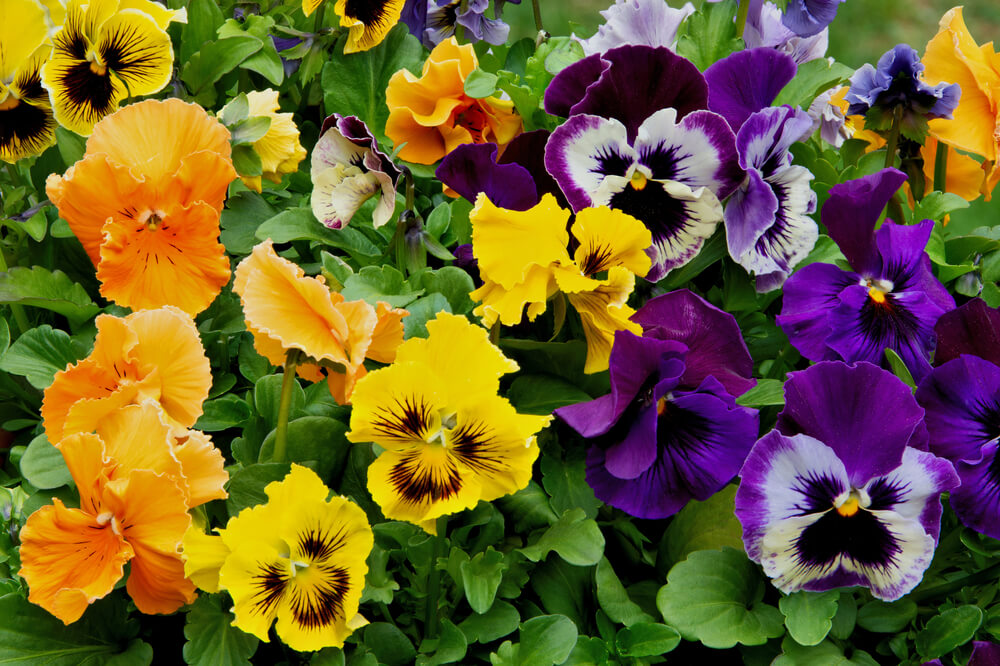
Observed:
{"x":341,"y":384}
{"x":69,"y":559}
{"x":203,"y":467}
{"x":156,"y":581}
{"x":89,"y":467}
{"x":87,"y":380}
{"x":203,"y":176}
{"x":388,"y":333}
{"x":177,"y":260}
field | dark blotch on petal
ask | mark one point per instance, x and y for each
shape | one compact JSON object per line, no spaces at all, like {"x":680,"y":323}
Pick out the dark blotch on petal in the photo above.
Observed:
{"x":861,"y":537}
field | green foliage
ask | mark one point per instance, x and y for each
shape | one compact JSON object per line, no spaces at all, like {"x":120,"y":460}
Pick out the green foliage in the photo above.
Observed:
{"x":709,"y":34}
{"x":40,"y":353}
{"x":702,"y":526}
{"x":809,"y":615}
{"x":43,"y":466}
{"x":52,"y":290}
{"x":576,"y":539}
{"x":211,"y":638}
{"x":948,"y":630}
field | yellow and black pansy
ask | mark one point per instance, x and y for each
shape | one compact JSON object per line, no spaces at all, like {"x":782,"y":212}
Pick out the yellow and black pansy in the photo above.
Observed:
{"x":367,"y":21}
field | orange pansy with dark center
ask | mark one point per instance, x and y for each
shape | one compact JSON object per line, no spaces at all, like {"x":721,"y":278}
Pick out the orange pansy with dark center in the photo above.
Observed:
{"x":145,"y":203}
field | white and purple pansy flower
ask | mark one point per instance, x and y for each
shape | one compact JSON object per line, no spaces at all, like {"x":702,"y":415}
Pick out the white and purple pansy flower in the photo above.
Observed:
{"x":348,"y":169}
{"x":768,"y":225}
{"x":890,"y":300}
{"x":671,"y":176}
{"x":637,"y":22}
{"x":962,"y":399}
{"x":841,"y":493}
{"x":765,"y":27}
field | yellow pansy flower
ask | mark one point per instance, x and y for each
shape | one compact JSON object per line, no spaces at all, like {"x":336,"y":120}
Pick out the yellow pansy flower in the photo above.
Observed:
{"x":367,"y":21}
{"x":279,"y":149}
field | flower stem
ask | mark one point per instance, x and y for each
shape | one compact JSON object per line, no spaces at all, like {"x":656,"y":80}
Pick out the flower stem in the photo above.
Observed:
{"x":434,"y":580}
{"x":941,"y":167}
{"x":988,"y":575}
{"x":16,"y":309}
{"x":741,"y":17}
{"x":535,"y":5}
{"x":284,"y":406}
{"x":893,"y":140}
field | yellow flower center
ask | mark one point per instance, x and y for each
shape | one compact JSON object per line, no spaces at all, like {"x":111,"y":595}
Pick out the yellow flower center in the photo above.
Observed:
{"x":638,"y":181}
{"x":850,"y":505}
{"x":9,"y":101}
{"x":97,"y":66}
{"x":876,"y":295}
{"x":153,"y":219}
{"x":661,"y":406}
{"x":108,"y":518}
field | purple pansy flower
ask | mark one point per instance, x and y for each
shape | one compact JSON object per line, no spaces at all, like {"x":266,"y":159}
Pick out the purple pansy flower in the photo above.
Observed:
{"x":834,"y":496}
{"x":896,"y":83}
{"x":637,"y":22}
{"x":765,"y":27}
{"x":670,"y":430}
{"x":962,"y":401}
{"x":768,"y":227}
{"x":444,"y":15}
{"x":890,"y":300}
{"x":829,"y":119}
{"x":808,"y":17}
{"x":347,"y":169}
{"x":984,"y":653}
{"x":746,"y":82}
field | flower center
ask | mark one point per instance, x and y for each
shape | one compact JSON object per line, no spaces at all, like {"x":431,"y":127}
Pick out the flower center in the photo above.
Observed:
{"x":850,"y":505}
{"x":877,"y":289}
{"x":474,"y":120}
{"x":448,"y":422}
{"x":9,"y":100}
{"x":153,"y":219}
{"x":107,"y":518}
{"x":638,"y":181}
{"x":97,"y":66}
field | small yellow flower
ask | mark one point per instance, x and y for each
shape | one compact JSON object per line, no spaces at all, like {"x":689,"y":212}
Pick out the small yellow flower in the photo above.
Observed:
{"x":279,"y":149}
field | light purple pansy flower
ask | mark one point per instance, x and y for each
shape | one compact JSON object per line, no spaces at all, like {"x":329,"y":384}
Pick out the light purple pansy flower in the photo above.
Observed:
{"x":890,"y":300}
{"x":837,"y":494}
{"x":444,"y":15}
{"x":670,"y":430}
{"x":808,"y":17}
{"x":637,"y":22}
{"x":768,"y":227}
{"x":962,"y":400}
{"x":829,"y":119}
{"x":765,"y":27}
{"x":348,"y":169}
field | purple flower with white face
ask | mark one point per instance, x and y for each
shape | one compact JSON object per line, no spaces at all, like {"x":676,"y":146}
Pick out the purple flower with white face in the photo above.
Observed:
{"x":962,"y":400}
{"x":890,"y":300}
{"x":840,"y":493}
{"x":765,"y":27}
{"x":768,"y":228}
{"x":670,"y":430}
{"x":637,"y":22}
{"x":808,"y":17}
{"x":348,"y":169}
{"x":444,"y":15}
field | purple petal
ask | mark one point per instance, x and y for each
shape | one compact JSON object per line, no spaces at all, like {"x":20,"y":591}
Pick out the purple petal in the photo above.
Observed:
{"x":808,"y":17}
{"x":973,"y":328}
{"x":984,"y":654}
{"x":809,"y":297}
{"x":913,"y":489}
{"x":962,"y":401}
{"x":865,"y":414}
{"x":765,"y":28}
{"x":746,"y":82}
{"x":633,"y":455}
{"x":582,"y":152}
{"x":713,"y":339}
{"x":851,"y":212}
{"x":750,"y":211}
{"x":472,"y":168}
{"x":906,"y":264}
{"x":977,"y":501}
{"x":637,"y":22}
{"x":528,"y":150}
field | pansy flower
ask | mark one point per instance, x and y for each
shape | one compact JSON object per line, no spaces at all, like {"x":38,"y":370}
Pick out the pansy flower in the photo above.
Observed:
{"x":840,"y":493}
{"x":367,"y":21}
{"x":449,"y":440}
{"x":889,"y":300}
{"x":279,"y":149}
{"x":298,"y":559}
{"x":104,"y":53}
{"x":137,"y":477}
{"x":444,"y":16}
{"x":955,"y":57}
{"x":809,"y":17}
{"x":746,"y":82}
{"x":670,"y":430}
{"x":27,"y":126}
{"x":768,"y":225}
{"x":765,"y":27}
{"x":147,"y":355}
{"x":962,"y":399}
{"x":286,"y":310}
{"x":145,"y":203}
{"x":433,"y":115}
{"x":637,"y":22}
{"x":348,"y":169}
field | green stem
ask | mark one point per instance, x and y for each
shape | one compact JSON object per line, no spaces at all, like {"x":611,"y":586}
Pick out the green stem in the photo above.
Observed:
{"x":320,"y":11}
{"x":741,"y":17}
{"x":495,"y":333}
{"x":434,"y":580}
{"x":988,"y":575}
{"x":535,"y":5}
{"x":893,"y":140}
{"x":941,"y":167}
{"x":284,"y":406}
{"x":16,"y":309}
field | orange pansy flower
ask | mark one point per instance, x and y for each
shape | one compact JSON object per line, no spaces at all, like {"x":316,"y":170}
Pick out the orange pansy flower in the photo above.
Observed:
{"x":137,"y":477}
{"x":148,"y":355}
{"x":433,"y":115}
{"x":287,"y":310}
{"x":145,"y":203}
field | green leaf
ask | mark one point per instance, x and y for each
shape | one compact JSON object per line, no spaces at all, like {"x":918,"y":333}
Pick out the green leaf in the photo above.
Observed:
{"x":422,"y":311}
{"x":825,"y":653}
{"x":39,"y":354}
{"x":52,"y":290}
{"x":43,"y":466}
{"x":886,"y":617}
{"x":846,"y":618}
{"x":243,"y":213}
{"x":299,"y":224}
{"x":716,"y":597}
{"x":267,"y":395}
{"x":4,"y":337}
{"x":546,"y":640}
{"x":389,"y":644}
{"x":499,"y":621}
{"x":712,"y":251}
{"x":451,"y":646}
{"x":646,"y":639}
{"x":811,"y":79}
{"x":614,"y":599}
{"x":766,"y":393}
{"x":217,"y":58}
{"x":709,"y":35}
{"x":565,"y":481}
{"x":576,"y":539}
{"x":480,"y":84}
{"x":247,"y":131}
{"x":355,"y":83}
{"x":315,"y":441}
{"x":541,"y":394}
{"x":35,"y":226}
{"x":380,"y":283}
{"x":246,"y":486}
{"x":951,"y":629}
{"x":204,"y":18}
{"x":212,"y":640}
{"x":529,"y":508}
{"x":481,"y":577}
{"x":936,"y":205}
{"x":229,"y":411}
{"x":71,"y":145}
{"x":809,"y":615}
{"x":266,"y":61}
{"x":700,"y":526}
{"x":451,"y":282}
{"x":899,"y":368}
{"x":588,"y":651}
{"x":235,"y":111}
{"x":247,"y":161}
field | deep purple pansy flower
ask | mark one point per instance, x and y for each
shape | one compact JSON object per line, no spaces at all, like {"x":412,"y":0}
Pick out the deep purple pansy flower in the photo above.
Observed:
{"x":890,"y":300}
{"x":896,"y":83}
{"x":347,"y":169}
{"x":765,"y":27}
{"x":768,"y":227}
{"x":834,"y":496}
{"x":962,"y":401}
{"x":983,"y":654}
{"x":637,"y":22}
{"x":670,"y":430}
{"x":746,"y":82}
{"x":808,"y":17}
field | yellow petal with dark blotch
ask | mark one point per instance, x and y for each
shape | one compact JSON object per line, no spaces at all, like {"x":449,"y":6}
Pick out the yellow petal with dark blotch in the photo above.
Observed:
{"x":203,"y":556}
{"x":397,"y":406}
{"x":69,"y":559}
{"x":202,"y":465}
{"x":137,"y":51}
{"x":309,"y":6}
{"x":80,"y":96}
{"x":602,"y":312}
{"x":27,"y":125}
{"x":367,"y":21}
{"x":257,"y":577}
{"x":610,"y":238}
